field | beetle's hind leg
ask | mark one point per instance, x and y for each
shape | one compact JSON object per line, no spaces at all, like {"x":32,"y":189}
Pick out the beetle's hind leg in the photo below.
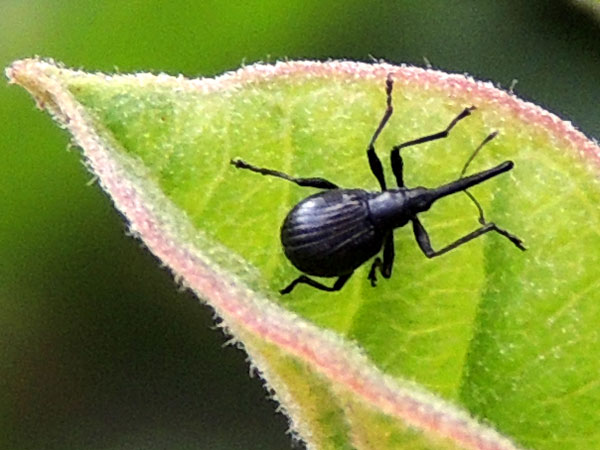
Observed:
{"x":316,"y":182}
{"x":339,"y":283}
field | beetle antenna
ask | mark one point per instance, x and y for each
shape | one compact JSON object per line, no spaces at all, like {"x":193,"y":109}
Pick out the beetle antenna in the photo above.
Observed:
{"x":464,"y":169}
{"x":479,"y":147}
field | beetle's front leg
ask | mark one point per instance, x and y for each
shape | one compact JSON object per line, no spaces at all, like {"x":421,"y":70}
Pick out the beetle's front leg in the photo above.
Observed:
{"x":385,"y":266}
{"x":425,"y":244}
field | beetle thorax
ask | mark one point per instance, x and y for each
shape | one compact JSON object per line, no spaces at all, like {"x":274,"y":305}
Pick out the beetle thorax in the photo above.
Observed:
{"x":389,"y":209}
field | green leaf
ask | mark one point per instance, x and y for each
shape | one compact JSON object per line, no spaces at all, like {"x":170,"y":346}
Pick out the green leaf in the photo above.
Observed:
{"x":484,"y":334}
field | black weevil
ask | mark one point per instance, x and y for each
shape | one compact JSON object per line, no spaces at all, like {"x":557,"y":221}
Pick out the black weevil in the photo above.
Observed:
{"x":331,"y":233}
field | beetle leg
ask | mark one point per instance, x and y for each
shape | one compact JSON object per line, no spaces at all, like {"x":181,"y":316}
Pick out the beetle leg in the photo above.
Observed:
{"x":385,"y":266}
{"x":388,"y":255}
{"x":339,"y":283}
{"x":377,"y":264}
{"x":376,"y":167}
{"x":319,"y":183}
{"x":398,"y":167}
{"x":374,"y":161}
{"x":425,"y":244}
{"x":395,"y":155}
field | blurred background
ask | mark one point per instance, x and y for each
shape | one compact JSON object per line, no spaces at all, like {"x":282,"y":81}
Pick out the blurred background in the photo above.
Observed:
{"x":98,"y":348}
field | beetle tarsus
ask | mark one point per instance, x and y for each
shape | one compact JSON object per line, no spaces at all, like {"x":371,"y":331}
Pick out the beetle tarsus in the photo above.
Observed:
{"x":377,"y":264}
{"x":339,"y":283}
{"x":511,"y":237}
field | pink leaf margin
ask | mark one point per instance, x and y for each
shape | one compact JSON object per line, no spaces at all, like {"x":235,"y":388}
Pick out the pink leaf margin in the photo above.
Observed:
{"x":243,"y":310}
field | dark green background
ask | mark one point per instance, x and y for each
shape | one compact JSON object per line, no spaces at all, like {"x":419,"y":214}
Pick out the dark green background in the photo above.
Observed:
{"x":98,"y":348}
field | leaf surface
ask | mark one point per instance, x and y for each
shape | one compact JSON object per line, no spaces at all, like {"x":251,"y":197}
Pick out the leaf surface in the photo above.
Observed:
{"x":485,"y":334}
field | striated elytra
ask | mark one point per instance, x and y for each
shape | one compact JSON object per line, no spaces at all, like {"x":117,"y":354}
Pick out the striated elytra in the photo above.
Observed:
{"x":333,"y":232}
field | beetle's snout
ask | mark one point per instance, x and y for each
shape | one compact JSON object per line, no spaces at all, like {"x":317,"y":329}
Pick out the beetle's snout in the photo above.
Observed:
{"x":420,"y":199}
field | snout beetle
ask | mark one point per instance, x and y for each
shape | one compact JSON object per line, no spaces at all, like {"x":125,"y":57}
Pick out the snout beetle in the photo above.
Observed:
{"x":333,"y":232}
